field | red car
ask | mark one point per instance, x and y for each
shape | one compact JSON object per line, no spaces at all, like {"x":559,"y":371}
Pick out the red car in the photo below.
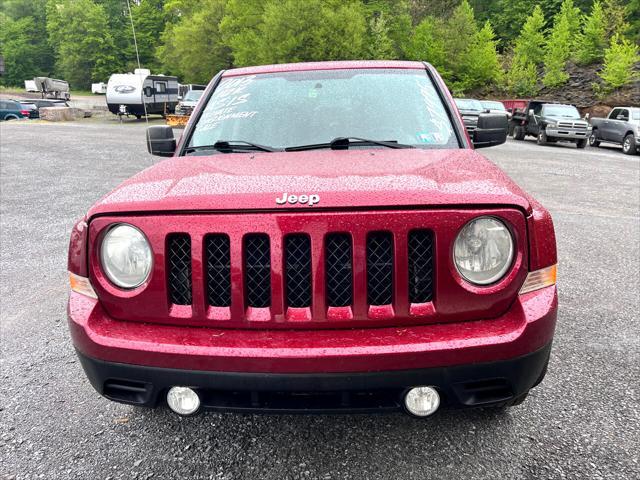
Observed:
{"x":323,"y":238}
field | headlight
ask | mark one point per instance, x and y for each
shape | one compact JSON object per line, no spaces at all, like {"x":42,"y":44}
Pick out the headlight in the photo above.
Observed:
{"x":483,"y":250}
{"x":552,"y":124}
{"x":126,"y":256}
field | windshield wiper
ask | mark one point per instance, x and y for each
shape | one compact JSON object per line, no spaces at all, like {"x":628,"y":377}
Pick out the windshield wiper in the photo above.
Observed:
{"x":343,"y":143}
{"x":228,"y":146}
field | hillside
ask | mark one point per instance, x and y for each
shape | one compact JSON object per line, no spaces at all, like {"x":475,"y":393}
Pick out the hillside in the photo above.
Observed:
{"x":579,"y":91}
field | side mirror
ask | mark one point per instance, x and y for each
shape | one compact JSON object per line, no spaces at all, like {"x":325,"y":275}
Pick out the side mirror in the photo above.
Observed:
{"x":621,"y":117}
{"x":160,"y":141}
{"x":586,"y":116}
{"x":491,"y":130}
{"x":531,"y":112}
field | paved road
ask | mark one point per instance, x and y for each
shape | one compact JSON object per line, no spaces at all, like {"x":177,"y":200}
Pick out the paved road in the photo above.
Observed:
{"x":582,"y":422}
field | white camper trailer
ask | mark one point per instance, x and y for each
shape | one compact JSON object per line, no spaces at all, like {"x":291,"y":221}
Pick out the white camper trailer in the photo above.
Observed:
{"x":30,"y":86}
{"x":139,"y":92}
{"x":99,"y":88}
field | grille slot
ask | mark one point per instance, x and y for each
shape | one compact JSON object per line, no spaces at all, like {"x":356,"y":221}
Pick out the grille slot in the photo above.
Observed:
{"x":218,"y":265}
{"x":339,"y":270}
{"x":380,"y":268}
{"x":420,"y":266}
{"x":298,"y":270}
{"x":179,"y":268}
{"x":257,"y":270}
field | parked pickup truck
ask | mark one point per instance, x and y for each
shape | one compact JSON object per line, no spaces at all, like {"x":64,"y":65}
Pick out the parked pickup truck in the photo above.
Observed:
{"x":550,"y":123}
{"x":621,"y":127}
{"x":325,"y":237}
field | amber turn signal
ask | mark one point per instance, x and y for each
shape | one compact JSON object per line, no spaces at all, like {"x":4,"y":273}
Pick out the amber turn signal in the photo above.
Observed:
{"x":539,"y":279}
{"x":81,"y":285}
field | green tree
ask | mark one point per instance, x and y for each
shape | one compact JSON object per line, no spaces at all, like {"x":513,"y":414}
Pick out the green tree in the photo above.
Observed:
{"x":471,"y":54}
{"x":573,"y":16}
{"x":481,"y":62}
{"x":633,"y":11}
{"x":529,"y":46}
{"x":25,"y":49}
{"x":427,"y":45}
{"x":523,"y":78}
{"x":421,"y":9}
{"x":592,"y":41}
{"x":119,"y":25}
{"x":193,"y":48}
{"x":79,"y":33}
{"x":149,"y":20}
{"x":509,"y":16}
{"x":619,"y":61}
{"x":294,"y":31}
{"x":461,"y":29}
{"x":557,"y":52}
{"x":397,"y":19}
{"x":240,"y":29}
{"x":380,"y":45}
{"x":616,"y":14}
{"x":20,"y":56}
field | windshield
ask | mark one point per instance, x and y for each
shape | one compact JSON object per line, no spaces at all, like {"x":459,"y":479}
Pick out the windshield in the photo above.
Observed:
{"x":468,"y":104}
{"x":493,"y":105}
{"x":561,"y":111}
{"x":289,"y":109}
{"x":193,"y":95}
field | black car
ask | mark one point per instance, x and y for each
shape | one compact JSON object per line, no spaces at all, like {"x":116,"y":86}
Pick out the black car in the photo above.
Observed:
{"x":45,"y":102}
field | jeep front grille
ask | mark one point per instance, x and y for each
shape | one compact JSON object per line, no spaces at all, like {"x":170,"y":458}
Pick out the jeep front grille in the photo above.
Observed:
{"x":179,"y":268}
{"x":339,"y":271}
{"x":306,"y":269}
{"x":420,"y":266}
{"x":218,"y":262}
{"x":379,"y":268}
{"x":298,"y":269}
{"x":257,"y":270}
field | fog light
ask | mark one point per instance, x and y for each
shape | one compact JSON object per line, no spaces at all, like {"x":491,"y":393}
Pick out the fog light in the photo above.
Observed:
{"x":422,"y":401}
{"x":183,"y":400}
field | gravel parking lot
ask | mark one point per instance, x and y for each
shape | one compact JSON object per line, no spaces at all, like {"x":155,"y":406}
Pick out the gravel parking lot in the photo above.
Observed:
{"x":582,"y":422}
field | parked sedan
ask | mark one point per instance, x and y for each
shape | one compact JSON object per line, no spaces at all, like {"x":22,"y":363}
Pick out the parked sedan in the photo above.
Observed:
{"x":10,"y":110}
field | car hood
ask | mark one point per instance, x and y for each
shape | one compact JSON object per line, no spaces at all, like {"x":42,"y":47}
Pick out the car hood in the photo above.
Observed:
{"x":341,"y":178}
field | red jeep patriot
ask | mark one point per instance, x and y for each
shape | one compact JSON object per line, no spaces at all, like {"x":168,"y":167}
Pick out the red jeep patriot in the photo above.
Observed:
{"x":323,"y":238}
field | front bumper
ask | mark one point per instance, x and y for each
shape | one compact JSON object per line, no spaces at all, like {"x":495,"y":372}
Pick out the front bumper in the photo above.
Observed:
{"x":568,"y":133}
{"x":476,"y":385}
{"x":150,"y":358}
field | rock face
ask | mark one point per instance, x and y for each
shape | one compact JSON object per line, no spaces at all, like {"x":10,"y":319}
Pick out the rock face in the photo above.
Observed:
{"x":581,"y":90}
{"x":63,"y":114}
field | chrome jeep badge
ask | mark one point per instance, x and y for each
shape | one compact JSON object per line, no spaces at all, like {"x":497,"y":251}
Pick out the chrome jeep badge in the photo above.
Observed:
{"x":310,"y":200}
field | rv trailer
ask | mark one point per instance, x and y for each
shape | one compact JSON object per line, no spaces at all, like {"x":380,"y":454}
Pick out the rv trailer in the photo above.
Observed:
{"x":140,"y":92}
{"x":99,"y":88}
{"x":30,"y":86}
{"x":52,"y":87}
